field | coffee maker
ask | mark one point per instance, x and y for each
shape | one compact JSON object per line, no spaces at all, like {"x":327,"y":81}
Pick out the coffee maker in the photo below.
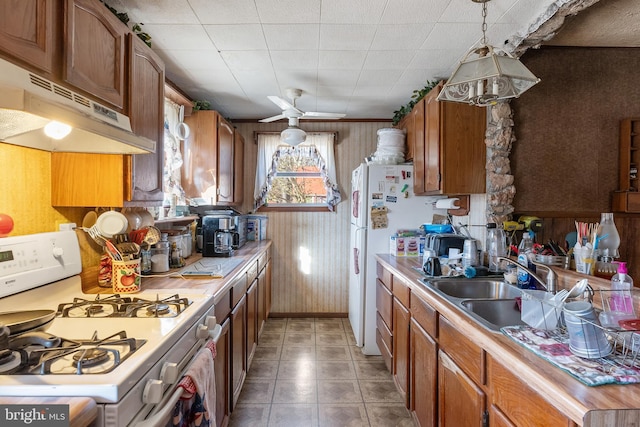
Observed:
{"x":218,"y":235}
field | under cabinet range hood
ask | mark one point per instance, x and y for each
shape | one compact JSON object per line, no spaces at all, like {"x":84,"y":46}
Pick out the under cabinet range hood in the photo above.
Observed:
{"x":29,"y":102}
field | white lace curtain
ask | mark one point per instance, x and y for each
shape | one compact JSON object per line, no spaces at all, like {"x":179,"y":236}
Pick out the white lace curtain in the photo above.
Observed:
{"x":172,"y":155}
{"x":319,"y":145}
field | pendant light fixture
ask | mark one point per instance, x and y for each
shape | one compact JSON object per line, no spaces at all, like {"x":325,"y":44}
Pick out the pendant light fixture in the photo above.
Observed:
{"x":484,"y":77}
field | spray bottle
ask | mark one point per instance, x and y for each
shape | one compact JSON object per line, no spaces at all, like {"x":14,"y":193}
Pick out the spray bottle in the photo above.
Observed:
{"x":621,"y":284}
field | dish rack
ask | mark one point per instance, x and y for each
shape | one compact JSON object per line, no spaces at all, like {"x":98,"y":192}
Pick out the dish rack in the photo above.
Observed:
{"x":621,"y":330}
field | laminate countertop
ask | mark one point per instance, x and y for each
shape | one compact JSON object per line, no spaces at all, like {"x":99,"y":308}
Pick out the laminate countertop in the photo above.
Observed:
{"x":244,"y":256}
{"x":604,"y":405}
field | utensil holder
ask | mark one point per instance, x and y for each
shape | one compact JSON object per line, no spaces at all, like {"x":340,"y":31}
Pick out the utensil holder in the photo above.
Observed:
{"x":125,"y":277}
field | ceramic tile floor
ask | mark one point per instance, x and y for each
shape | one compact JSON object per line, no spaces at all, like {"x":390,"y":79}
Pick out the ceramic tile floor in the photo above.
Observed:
{"x":308,"y":372}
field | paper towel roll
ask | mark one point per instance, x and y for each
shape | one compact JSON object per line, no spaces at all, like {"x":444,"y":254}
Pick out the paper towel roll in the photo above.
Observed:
{"x":447,"y":204}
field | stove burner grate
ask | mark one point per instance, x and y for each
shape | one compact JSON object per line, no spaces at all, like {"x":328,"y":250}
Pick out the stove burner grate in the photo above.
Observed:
{"x":117,"y":306}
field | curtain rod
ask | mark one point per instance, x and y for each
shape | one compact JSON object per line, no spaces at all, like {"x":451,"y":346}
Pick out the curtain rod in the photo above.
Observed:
{"x":335,"y":135}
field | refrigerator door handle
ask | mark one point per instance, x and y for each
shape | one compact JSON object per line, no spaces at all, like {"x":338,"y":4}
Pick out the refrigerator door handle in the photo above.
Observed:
{"x":356,"y":260}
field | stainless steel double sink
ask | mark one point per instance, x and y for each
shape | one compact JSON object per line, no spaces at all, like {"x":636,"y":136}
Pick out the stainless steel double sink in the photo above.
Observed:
{"x":490,"y":302}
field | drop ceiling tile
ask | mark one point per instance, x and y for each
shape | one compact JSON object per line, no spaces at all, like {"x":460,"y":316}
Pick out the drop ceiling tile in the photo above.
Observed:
{"x":335,"y":92}
{"x":294,"y":59}
{"x":186,"y":59}
{"x":434,"y":58}
{"x":352,"y":11}
{"x":458,"y":37}
{"x":470,"y":11}
{"x":237,"y":36}
{"x":388,"y":59}
{"x":247,"y":59}
{"x":417,"y":78}
{"x":178,"y":36}
{"x":346,"y":37}
{"x":291,"y":37}
{"x":378,"y":77}
{"x":225,"y":12}
{"x":413,"y":11}
{"x":288,"y":11}
{"x":526,"y":12}
{"x":258,"y":84}
{"x":405,"y":36}
{"x":346,"y":59}
{"x":338,"y":77}
{"x":302,"y":79}
{"x":162,"y":12}
{"x":367,"y":91}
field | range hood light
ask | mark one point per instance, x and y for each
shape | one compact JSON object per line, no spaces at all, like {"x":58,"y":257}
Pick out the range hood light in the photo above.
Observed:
{"x":57,"y":130}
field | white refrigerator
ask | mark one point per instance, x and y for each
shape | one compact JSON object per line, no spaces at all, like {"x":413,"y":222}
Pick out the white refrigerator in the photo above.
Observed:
{"x":386,"y":190}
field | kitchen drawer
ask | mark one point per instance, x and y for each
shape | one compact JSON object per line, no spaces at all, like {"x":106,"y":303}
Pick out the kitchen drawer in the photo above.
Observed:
{"x":384,"y":276}
{"x":223,"y":307}
{"x":252,"y":272}
{"x":239,"y":289}
{"x":424,"y":314}
{"x":262,"y":261}
{"x":384,"y":303}
{"x":466,"y":354}
{"x":626,"y":201}
{"x":517,"y":401}
{"x":385,"y":333}
{"x":386,"y":352}
{"x":401,"y":291}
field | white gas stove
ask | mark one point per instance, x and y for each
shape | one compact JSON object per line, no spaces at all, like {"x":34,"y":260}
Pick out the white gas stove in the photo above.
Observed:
{"x":124,"y":353}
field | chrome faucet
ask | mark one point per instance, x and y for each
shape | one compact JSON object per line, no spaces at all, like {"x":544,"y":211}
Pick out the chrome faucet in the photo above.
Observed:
{"x":552,"y":277}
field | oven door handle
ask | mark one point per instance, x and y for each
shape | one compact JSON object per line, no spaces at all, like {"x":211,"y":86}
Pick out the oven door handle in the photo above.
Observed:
{"x":159,"y":418}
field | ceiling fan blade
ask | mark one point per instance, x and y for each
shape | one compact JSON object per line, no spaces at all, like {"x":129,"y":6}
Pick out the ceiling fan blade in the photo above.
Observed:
{"x":317,"y":115}
{"x":272,"y":118}
{"x":284,"y":105}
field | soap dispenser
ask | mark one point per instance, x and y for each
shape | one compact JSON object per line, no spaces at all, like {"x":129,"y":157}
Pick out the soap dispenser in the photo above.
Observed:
{"x":621,"y":285}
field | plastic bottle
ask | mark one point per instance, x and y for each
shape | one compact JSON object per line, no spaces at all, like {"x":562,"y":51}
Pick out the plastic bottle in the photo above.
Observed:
{"x":496,"y":245}
{"x":525,"y":256}
{"x":621,"y":284}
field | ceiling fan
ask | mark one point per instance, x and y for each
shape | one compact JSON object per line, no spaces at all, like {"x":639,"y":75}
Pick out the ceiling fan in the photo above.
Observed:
{"x":293,"y":135}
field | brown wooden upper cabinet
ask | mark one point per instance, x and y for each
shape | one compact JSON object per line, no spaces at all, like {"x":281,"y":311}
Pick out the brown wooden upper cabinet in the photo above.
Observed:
{"x":209,"y":159}
{"x":146,"y":107}
{"x":94,"y":51}
{"x":448,"y":148}
{"x":27,"y":29}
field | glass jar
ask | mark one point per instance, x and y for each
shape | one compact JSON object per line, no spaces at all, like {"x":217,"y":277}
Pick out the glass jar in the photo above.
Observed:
{"x":160,"y":257}
{"x":608,"y":238}
{"x":145,"y":260}
{"x":496,"y":246}
{"x":176,"y":260}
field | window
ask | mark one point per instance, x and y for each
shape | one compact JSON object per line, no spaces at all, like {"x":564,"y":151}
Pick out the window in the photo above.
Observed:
{"x":300,"y":177}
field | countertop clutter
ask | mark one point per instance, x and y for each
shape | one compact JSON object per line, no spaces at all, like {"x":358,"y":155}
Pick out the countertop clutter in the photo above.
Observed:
{"x":511,"y":381}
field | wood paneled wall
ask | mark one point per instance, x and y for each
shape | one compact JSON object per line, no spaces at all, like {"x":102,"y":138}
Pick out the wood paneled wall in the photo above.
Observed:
{"x":310,"y":251}
{"x":565,"y":157}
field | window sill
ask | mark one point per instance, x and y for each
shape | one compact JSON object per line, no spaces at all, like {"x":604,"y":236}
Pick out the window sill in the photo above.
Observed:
{"x":294,"y":209}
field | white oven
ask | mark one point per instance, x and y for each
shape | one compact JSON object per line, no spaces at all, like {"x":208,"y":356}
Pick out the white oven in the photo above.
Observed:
{"x":128,"y":359}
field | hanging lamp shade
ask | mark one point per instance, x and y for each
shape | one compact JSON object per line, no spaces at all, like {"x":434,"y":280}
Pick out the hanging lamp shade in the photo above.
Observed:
{"x":485,"y":77}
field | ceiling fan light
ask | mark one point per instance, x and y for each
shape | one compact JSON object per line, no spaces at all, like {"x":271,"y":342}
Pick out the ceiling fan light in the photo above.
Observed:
{"x":293,"y":136}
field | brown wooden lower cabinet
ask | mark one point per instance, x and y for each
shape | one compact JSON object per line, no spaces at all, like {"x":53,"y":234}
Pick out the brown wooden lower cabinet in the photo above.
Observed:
{"x":238,"y":349}
{"x":252,"y":321}
{"x":423,"y":384}
{"x":518,"y":402}
{"x":221,"y":366}
{"x":498,"y":419}
{"x":401,"y":349}
{"x":460,"y":401}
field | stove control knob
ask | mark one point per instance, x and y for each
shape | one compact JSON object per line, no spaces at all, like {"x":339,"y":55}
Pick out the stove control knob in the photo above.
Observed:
{"x":202,"y":333}
{"x":169,"y":373}
{"x":152,"y":393}
{"x":58,"y":251}
{"x":211,"y":322}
